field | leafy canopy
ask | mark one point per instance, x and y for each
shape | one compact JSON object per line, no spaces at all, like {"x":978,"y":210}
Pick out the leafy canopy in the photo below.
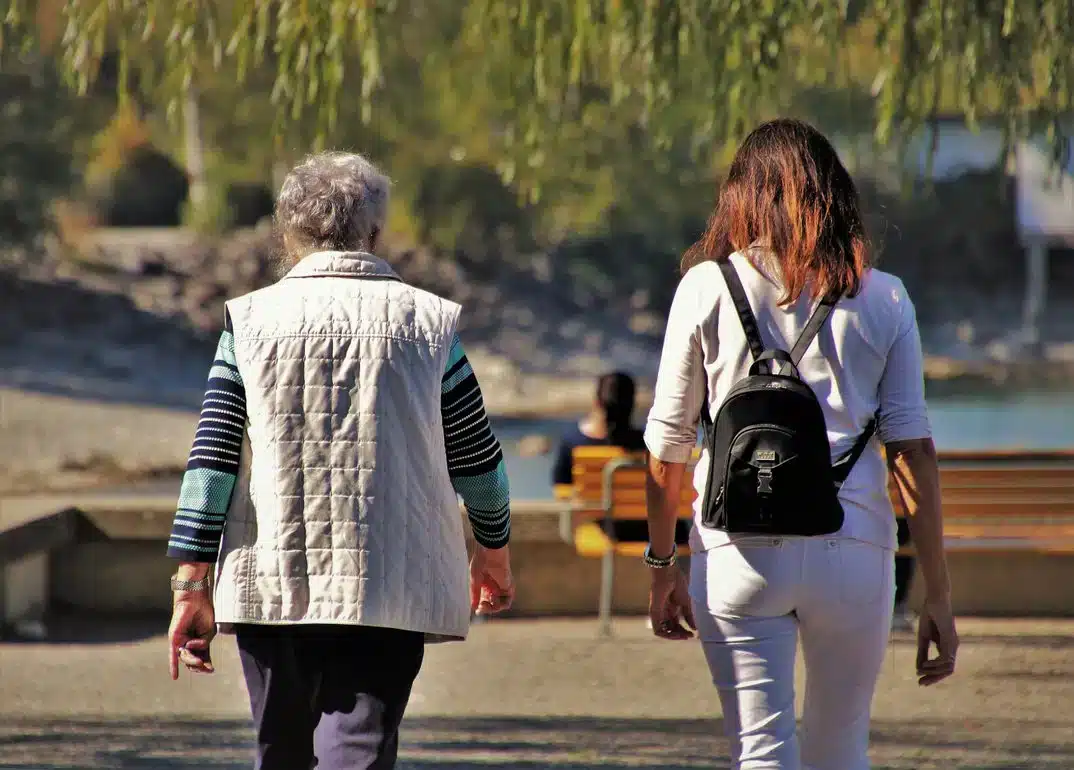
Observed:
{"x":731,"y":61}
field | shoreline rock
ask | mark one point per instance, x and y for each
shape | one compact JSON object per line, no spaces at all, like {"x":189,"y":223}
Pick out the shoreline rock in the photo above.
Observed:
{"x":135,"y":315}
{"x":550,"y":397}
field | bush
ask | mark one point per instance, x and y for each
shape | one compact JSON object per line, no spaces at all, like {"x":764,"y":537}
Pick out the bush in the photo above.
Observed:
{"x":248,"y":203}
{"x":74,"y":221}
{"x":466,"y":209}
{"x":147,"y":191}
{"x":211,"y":217}
{"x":35,"y":157}
{"x":230,"y":207}
{"x":130,"y":182}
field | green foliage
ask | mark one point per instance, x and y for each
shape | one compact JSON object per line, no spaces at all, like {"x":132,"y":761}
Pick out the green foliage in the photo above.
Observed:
{"x":212,"y":217}
{"x":229,"y":206}
{"x":35,"y":161}
{"x":114,"y":145}
{"x":148,"y":190}
{"x":467,"y":208}
{"x":511,"y":125}
{"x":248,"y":203}
{"x":130,"y":182}
{"x":736,"y":59}
{"x":550,"y":60}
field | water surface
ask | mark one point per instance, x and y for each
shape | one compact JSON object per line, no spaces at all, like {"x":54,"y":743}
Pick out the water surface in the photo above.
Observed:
{"x":1026,"y":420}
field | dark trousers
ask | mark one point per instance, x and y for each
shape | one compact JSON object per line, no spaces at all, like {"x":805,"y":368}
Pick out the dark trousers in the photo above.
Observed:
{"x":904,"y":565}
{"x":329,"y":697}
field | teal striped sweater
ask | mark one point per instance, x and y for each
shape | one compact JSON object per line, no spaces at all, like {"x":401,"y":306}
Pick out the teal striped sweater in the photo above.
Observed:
{"x":474,"y":457}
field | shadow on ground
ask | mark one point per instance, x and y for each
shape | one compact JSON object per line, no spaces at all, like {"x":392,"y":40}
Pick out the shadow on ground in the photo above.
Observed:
{"x":78,"y":627}
{"x":67,"y":626}
{"x":64,"y":339}
{"x":56,"y":745}
{"x":585,"y":743}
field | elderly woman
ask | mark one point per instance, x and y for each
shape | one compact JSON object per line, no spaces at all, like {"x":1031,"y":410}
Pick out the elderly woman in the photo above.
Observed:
{"x":340,"y":420}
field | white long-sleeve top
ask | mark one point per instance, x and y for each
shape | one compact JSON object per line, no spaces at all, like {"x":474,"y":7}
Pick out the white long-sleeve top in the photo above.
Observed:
{"x":865,"y":361}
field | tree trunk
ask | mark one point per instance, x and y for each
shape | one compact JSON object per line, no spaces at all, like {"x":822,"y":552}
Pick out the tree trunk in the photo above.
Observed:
{"x":195,"y":156}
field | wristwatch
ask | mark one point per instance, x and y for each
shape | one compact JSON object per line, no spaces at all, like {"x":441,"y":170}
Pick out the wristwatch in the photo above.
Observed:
{"x":190,"y":585}
{"x":656,"y":562}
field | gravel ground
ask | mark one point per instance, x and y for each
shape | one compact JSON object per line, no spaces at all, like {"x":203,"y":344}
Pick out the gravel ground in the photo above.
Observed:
{"x":58,"y":442}
{"x":530,"y":694}
{"x":51,"y":442}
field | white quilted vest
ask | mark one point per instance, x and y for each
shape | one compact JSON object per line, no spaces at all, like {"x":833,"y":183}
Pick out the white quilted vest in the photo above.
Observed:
{"x":343,"y":512}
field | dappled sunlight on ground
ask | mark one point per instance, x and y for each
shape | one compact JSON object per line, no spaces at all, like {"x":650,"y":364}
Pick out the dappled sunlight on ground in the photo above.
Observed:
{"x":531,"y":694}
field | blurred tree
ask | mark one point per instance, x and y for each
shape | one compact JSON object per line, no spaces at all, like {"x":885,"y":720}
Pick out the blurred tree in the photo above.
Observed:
{"x":35,"y":140}
{"x":130,"y":182}
{"x":731,"y":59}
{"x":603,"y":118}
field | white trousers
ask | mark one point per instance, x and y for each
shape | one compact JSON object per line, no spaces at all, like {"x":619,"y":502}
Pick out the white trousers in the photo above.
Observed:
{"x":752,"y":600}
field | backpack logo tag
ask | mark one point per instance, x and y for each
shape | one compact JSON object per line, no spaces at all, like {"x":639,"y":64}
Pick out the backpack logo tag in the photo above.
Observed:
{"x":764,"y":456}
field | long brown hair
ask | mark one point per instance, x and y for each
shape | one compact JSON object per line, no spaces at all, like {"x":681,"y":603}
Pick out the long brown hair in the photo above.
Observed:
{"x":788,"y":193}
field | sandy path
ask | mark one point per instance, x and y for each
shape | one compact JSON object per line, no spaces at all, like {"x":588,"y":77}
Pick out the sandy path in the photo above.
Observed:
{"x":542,"y":694}
{"x":58,"y":442}
{"x":49,"y":442}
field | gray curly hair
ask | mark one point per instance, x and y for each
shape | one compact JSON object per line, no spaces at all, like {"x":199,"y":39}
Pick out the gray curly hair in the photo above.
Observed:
{"x":332,"y":201}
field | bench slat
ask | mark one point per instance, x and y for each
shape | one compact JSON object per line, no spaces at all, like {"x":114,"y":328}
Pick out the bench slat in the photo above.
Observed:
{"x":998,"y":509}
{"x":590,"y":540}
{"x":967,"y":488}
{"x":992,"y":501}
{"x":1056,"y":475}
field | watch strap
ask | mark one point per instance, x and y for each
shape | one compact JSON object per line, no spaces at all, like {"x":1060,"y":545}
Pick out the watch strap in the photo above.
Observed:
{"x":190,"y":585}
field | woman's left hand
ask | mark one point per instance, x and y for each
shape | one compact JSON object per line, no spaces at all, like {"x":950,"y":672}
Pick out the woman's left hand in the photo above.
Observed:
{"x":669,"y":604}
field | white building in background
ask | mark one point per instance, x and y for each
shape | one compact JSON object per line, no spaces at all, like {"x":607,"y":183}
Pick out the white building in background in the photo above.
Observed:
{"x":1045,"y":214}
{"x":1044,"y":204}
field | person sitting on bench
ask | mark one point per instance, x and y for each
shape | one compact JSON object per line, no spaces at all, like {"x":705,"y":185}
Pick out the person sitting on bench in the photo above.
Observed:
{"x":608,"y":424}
{"x":903,"y":618}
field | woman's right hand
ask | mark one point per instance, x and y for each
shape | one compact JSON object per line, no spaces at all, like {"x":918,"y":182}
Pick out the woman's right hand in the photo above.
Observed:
{"x":191,"y":631}
{"x":936,"y":626}
{"x":670,"y":611}
{"x":492,"y":588}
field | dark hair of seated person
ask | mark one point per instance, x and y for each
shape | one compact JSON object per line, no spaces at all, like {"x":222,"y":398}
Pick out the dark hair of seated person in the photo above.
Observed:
{"x":609,"y":424}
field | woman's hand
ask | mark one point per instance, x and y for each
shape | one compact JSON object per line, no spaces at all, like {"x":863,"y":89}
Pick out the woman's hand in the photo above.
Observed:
{"x":192,"y":628}
{"x":936,"y":626}
{"x":669,"y":604}
{"x":492,"y":588}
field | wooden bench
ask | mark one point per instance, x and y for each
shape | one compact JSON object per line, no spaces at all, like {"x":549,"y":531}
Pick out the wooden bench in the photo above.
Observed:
{"x":28,"y":534}
{"x":992,"y":501}
{"x":609,"y":486}
{"x":1007,"y":501}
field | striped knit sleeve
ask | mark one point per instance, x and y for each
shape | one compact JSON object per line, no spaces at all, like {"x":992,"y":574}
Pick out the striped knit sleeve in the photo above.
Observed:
{"x":213,"y":464}
{"x":474,"y":458}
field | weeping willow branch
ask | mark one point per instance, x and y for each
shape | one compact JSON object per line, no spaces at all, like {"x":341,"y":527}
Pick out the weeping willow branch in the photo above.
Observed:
{"x":730,"y":62}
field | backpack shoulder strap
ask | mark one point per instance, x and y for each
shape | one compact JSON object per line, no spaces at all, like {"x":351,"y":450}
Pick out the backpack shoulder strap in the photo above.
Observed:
{"x":706,"y":418}
{"x":812,"y":327}
{"x":742,"y":307}
{"x":841,"y":468}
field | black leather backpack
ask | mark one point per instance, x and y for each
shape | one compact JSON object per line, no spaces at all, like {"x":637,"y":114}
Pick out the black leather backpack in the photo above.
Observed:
{"x":771,"y":470}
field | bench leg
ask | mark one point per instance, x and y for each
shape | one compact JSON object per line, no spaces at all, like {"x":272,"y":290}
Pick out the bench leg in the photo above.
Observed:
{"x":24,"y":595}
{"x":607,"y":583}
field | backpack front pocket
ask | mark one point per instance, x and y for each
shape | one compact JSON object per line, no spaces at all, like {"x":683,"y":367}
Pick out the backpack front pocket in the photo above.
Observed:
{"x":764,"y":474}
